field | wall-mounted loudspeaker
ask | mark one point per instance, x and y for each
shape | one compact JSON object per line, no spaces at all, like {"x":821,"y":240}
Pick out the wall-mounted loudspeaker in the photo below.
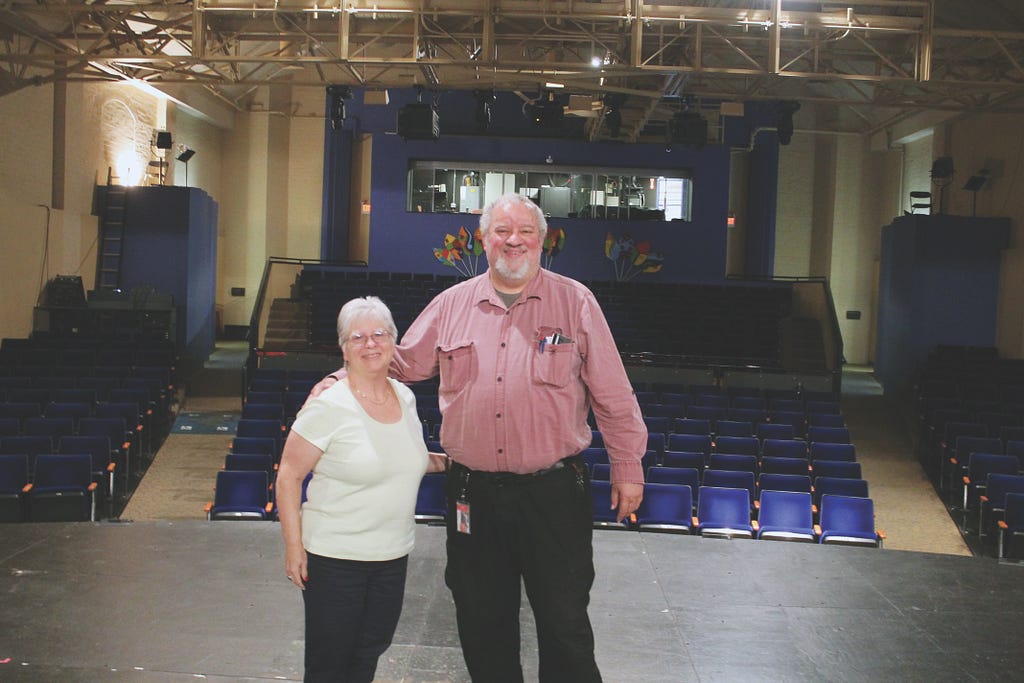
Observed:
{"x":418,"y":121}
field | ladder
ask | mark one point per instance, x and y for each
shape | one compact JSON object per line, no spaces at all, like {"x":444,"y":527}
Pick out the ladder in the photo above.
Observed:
{"x":110,"y":244}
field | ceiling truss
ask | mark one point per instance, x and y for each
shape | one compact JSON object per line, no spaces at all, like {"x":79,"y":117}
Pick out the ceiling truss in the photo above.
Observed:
{"x":874,"y":62}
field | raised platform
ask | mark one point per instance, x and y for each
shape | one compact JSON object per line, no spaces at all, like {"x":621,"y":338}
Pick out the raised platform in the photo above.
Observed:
{"x":178,"y":601}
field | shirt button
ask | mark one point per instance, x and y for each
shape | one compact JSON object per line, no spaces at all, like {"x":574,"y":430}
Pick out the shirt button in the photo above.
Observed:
{"x":501,"y":450}
{"x":502,"y":344}
{"x":499,"y":379}
{"x":498,"y":415}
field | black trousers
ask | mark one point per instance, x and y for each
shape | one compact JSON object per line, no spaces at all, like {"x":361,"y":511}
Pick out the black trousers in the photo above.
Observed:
{"x":524,"y":530}
{"x":352,"y":610}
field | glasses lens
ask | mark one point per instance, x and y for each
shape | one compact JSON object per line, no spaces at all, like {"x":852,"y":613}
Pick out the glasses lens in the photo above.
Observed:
{"x":379,"y":336}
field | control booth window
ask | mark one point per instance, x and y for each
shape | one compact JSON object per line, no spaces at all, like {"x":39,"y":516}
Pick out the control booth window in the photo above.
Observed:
{"x":561,"y":191}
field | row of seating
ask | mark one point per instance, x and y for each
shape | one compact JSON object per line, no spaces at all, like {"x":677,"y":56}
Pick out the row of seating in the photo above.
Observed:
{"x":969,"y":406}
{"x":52,"y":487}
{"x":106,"y":401}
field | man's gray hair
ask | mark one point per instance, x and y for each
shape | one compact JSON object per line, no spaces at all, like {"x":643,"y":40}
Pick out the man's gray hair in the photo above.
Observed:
{"x":506,"y":201}
{"x":364,"y":307}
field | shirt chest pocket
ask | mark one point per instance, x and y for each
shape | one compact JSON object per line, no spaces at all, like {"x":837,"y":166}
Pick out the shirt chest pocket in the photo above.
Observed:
{"x":555,"y":365}
{"x":457,"y":366}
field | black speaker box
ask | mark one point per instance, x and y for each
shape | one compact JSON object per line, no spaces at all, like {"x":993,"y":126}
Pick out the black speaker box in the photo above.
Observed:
{"x":418,"y":121}
{"x":163,"y":140}
{"x":64,"y":291}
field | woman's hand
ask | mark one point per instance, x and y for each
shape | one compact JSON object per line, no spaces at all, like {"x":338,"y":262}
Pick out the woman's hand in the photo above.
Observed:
{"x":439,"y":462}
{"x":295,"y":566}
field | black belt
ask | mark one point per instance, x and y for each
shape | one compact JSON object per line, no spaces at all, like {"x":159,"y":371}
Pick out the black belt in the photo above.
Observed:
{"x":515,"y":477}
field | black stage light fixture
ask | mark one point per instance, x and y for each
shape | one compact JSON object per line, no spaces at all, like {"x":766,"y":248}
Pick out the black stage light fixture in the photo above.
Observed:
{"x":337,"y":94}
{"x":688,"y":128}
{"x":547,"y":114}
{"x":785,"y":125}
{"x":482,"y":113}
{"x":613,"y":113}
{"x":163,"y":139}
{"x":418,"y":121}
{"x":942,"y":168}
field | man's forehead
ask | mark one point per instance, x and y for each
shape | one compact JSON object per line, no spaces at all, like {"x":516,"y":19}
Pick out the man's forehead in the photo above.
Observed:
{"x":516,"y":215}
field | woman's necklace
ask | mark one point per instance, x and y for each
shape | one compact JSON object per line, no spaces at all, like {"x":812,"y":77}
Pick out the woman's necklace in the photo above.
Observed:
{"x":374,"y":401}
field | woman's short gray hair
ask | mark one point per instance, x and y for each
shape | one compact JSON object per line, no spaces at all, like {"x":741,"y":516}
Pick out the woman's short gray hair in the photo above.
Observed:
{"x":364,"y":307}
{"x":508,"y":200}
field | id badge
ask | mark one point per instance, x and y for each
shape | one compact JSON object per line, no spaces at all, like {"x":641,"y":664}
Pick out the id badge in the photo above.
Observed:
{"x":462,"y":516}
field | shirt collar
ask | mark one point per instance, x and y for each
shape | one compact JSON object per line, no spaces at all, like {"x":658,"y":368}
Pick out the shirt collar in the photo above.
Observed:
{"x":484,"y":290}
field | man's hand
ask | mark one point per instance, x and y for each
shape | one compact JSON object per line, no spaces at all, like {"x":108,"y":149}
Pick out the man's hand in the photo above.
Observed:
{"x":626,"y":497}
{"x":326,"y":382}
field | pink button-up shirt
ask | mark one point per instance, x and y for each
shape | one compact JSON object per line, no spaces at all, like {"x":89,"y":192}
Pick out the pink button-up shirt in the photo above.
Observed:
{"x":510,"y":403}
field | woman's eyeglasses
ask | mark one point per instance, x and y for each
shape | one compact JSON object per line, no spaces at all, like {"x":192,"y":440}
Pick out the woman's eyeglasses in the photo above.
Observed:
{"x":379,"y":336}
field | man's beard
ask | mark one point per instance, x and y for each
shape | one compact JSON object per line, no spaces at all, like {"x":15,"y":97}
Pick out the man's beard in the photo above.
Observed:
{"x":508,"y":273}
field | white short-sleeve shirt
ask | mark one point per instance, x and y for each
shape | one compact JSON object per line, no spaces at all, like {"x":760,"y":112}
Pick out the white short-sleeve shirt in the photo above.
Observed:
{"x":362,"y":497}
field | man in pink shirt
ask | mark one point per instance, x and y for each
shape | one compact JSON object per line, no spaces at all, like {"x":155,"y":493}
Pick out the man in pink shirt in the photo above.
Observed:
{"x":523,"y":354}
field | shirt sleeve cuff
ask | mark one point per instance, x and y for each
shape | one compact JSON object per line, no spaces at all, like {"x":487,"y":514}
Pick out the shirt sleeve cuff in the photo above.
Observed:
{"x":628,"y":472}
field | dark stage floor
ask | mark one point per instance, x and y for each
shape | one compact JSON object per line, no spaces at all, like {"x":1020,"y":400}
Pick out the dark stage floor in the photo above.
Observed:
{"x":198,"y":600}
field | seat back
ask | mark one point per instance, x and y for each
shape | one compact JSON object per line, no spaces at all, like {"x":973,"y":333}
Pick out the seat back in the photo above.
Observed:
{"x":260,"y":462}
{"x":723,"y":508}
{"x":731,"y":479}
{"x":785,"y":448}
{"x":693,"y":443}
{"x":62,"y":472}
{"x":770,"y":430}
{"x":786,"y":512}
{"x":838,"y":486}
{"x":54,"y":427}
{"x":1013,"y":515}
{"x":601,"y":471}
{"x":683,"y":459}
{"x":686,"y":476}
{"x":837,"y":468}
{"x":431,"y":501}
{"x":14,"y":474}
{"x":240,"y":494}
{"x":771,"y":464}
{"x":666,"y":507}
{"x":845,"y":452}
{"x":733,"y":461}
{"x":998,"y":485}
{"x":689,"y":425}
{"x":980,"y":465}
{"x":849,"y":519}
{"x":784,"y":482}
{"x":743,"y":445}
{"x":816,"y":434}
{"x":740,"y":428}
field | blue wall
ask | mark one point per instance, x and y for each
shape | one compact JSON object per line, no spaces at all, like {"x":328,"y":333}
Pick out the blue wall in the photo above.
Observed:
{"x":694,"y":251}
{"x":938,"y":284}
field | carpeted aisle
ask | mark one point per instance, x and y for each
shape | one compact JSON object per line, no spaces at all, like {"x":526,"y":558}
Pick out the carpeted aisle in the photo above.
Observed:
{"x":906,"y":506}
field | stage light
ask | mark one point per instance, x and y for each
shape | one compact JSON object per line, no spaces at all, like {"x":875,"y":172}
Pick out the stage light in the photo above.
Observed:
{"x":482,"y":114}
{"x":942,"y":168}
{"x":337,"y":94}
{"x":785,"y":125}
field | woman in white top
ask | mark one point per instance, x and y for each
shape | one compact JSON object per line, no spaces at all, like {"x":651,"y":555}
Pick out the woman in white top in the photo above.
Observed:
{"x":347,"y":546}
